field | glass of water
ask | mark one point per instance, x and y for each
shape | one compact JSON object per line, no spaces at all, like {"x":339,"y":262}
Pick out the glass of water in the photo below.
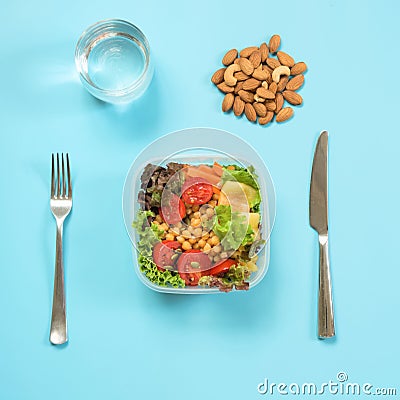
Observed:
{"x":113,"y":61}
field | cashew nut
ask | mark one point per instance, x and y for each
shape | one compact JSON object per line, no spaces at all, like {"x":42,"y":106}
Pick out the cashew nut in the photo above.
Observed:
{"x":277,"y":72}
{"x":229,"y":79}
{"x":258,"y":99}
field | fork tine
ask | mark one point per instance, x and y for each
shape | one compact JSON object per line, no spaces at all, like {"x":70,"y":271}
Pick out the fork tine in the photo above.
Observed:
{"x":52,"y":175}
{"x":58,"y":177}
{"x":64,"y":193}
{"x":69,"y":179}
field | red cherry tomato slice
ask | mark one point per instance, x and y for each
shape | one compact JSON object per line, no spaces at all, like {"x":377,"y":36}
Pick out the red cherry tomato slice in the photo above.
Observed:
{"x":222,"y":267}
{"x":191,"y":264}
{"x":163,"y":253}
{"x":173,"y":212}
{"x":196,"y":191}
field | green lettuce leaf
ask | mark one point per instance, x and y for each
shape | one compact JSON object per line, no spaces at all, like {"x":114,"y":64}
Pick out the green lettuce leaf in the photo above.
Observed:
{"x":161,"y":278}
{"x":241,"y":175}
{"x":232,"y":228}
{"x":149,"y":235}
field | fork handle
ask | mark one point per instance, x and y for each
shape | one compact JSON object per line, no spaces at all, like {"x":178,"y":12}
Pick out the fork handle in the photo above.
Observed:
{"x":326,"y":323}
{"x":58,"y":329}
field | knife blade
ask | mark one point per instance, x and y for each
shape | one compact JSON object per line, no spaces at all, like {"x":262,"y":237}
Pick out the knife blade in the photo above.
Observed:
{"x":319,"y":221}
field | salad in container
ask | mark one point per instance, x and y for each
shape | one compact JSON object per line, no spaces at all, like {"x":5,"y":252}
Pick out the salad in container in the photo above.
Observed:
{"x":199,"y":218}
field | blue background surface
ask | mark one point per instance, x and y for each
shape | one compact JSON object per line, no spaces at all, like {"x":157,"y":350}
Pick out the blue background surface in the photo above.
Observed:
{"x":129,"y":342}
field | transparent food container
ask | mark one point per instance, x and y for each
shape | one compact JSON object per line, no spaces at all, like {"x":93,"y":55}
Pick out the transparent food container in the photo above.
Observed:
{"x":213,"y":146}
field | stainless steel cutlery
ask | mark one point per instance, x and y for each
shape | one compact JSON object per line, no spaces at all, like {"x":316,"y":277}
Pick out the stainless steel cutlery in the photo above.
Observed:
{"x":61,"y":205}
{"x":319,"y":221}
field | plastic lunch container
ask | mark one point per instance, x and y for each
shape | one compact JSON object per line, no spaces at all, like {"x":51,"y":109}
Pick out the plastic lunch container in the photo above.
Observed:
{"x":213,"y":145}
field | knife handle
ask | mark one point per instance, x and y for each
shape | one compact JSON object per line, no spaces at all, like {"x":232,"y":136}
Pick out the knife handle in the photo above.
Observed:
{"x":326,"y":323}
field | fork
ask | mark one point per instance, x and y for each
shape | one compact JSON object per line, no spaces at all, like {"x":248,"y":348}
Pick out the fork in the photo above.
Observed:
{"x":60,"y":205}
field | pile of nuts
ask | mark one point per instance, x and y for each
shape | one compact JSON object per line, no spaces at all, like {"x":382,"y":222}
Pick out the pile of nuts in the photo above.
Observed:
{"x":192,"y":234}
{"x":258,"y":84}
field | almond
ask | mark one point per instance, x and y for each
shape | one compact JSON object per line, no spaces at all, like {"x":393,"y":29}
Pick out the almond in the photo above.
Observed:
{"x":292,"y":97}
{"x":241,"y":76}
{"x":274,"y":43}
{"x":218,"y":76}
{"x":285,"y":59}
{"x":273,"y":87}
{"x":246,"y":66}
{"x":284,"y":114}
{"x":298,"y":68}
{"x":247,"y":51}
{"x":264,"y":51}
{"x":229,"y":57}
{"x":239,"y":86}
{"x":258,"y":99}
{"x":295,"y":83}
{"x":223,"y":87}
{"x":251,"y":84}
{"x":268,"y":69}
{"x":260,"y":109}
{"x":246,"y":96}
{"x":273,"y":63}
{"x":227,"y":103}
{"x":238,"y":106}
{"x":270,"y":105}
{"x":279,"y":100}
{"x":255,"y":58}
{"x":267,"y":119}
{"x":250,"y":112}
{"x":260,"y":74}
{"x":265,"y":93}
{"x":282,"y":83}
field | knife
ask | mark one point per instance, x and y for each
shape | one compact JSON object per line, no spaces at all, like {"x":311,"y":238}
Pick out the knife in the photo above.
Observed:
{"x":319,"y":221}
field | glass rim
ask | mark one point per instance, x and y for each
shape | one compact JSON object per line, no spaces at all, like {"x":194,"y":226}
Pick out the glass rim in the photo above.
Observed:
{"x":103,"y":24}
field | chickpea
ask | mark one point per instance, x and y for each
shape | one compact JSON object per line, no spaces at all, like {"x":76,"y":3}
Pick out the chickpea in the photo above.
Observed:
{"x":202,"y":243}
{"x":186,"y":245}
{"x":205,"y":235}
{"x":186,"y":233}
{"x":215,"y":196}
{"x":211,"y":234}
{"x":207,"y":247}
{"x":212,"y":203}
{"x":210,"y":211}
{"x":217,"y":249}
{"x":204,"y":218}
{"x":195,"y":207}
{"x":169,"y":236}
{"x":192,"y":241}
{"x":180,"y":239}
{"x":196,"y":214}
{"x":188,"y":211}
{"x":214,"y":240}
{"x":164,"y":226}
{"x":158,"y":218}
{"x":196,"y":246}
{"x":209,"y":241}
{"x":198,"y":232}
{"x":195,"y":222}
{"x":191,"y":229}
